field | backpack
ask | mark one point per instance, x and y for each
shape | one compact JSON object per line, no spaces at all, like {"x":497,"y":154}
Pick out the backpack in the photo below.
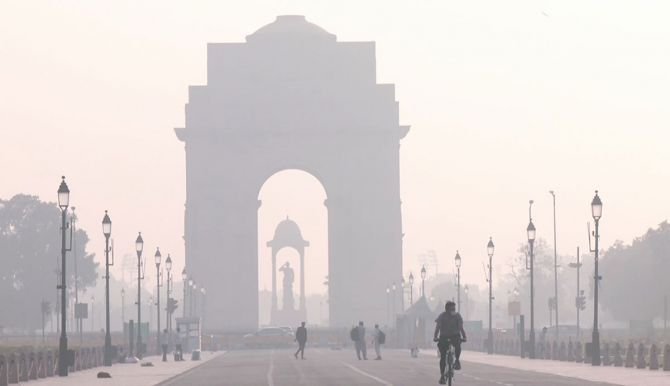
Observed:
{"x":382,"y":337}
{"x":354,"y":334}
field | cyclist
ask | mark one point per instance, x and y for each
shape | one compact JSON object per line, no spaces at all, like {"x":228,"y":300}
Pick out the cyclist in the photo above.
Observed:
{"x":449,"y":331}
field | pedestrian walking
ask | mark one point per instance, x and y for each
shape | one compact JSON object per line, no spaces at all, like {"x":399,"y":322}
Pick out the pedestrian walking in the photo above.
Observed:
{"x":361,"y":349}
{"x":178,"y":353}
{"x":164,"y":344}
{"x":378,"y":339}
{"x":301,"y":338}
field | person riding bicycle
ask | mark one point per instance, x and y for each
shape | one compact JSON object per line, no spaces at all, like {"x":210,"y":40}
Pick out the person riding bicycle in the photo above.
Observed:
{"x":449,"y":331}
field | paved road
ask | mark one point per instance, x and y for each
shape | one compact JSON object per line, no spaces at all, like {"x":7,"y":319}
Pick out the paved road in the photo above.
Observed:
{"x":325,"y":367}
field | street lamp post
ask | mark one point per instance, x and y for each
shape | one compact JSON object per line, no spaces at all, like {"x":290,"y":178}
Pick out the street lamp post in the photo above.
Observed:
{"x":190,"y":297}
{"x":194,"y":295}
{"x":184,"y":281}
{"x":411,"y":289}
{"x":394,"y":299}
{"x":457,"y":261}
{"x":423,"y":280}
{"x":555,"y":303}
{"x":596,"y":212}
{"x":388,"y":305}
{"x":490,"y":248}
{"x":466,"y":290}
{"x":578,"y":304}
{"x":403,"y":287}
{"x":123,"y":308}
{"x":531,"y":240}
{"x":168,"y":311}
{"x":203,"y":291}
{"x":157,"y":260}
{"x":63,"y":203}
{"x":107,"y":231}
{"x":139,"y":246}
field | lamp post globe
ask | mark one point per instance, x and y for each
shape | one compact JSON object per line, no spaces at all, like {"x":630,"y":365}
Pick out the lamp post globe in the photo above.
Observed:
{"x":457,"y":260}
{"x":490,"y":248}
{"x":107,"y":231}
{"x":139,"y":244}
{"x":168,"y":263}
{"x":596,"y":207}
{"x":63,"y":203}
{"x":63,"y":195}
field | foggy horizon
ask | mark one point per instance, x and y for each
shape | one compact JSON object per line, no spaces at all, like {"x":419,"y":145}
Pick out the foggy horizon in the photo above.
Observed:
{"x":484,"y":138}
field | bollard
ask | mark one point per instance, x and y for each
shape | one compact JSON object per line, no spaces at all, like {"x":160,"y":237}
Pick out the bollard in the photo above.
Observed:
{"x":630,"y":356}
{"x":3,"y":370}
{"x":23,"y":367}
{"x":32,"y":366}
{"x":607,"y":361}
{"x":641,"y":362}
{"x":12,"y":369}
{"x":41,"y":365}
{"x":579,"y":353}
{"x":562,"y":356}
{"x":653,"y":358}
{"x":618,"y":359}
{"x":50,"y":363}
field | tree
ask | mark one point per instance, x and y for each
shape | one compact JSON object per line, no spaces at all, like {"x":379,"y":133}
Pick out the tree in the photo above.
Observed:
{"x":635,"y":277}
{"x":30,"y":242}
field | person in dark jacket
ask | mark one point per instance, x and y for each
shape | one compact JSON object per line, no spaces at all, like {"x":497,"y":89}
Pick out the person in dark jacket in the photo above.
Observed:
{"x":301,"y":338}
{"x":449,"y":331}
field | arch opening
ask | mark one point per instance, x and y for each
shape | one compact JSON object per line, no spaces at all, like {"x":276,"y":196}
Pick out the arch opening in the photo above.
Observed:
{"x":289,"y":199}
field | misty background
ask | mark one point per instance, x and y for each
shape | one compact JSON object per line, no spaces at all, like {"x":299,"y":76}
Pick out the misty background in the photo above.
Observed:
{"x":507,"y":100}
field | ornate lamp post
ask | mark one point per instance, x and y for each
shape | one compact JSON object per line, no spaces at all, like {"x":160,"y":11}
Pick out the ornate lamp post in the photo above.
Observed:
{"x":184,"y":281}
{"x":596,"y":212}
{"x":123,"y":308}
{"x":168,"y":311}
{"x":139,"y":246}
{"x":63,"y":203}
{"x":466,"y":290}
{"x":457,"y":262}
{"x":107,"y":231}
{"x":555,"y":301}
{"x":394,"y":300}
{"x":531,"y":240}
{"x":194,"y":295}
{"x":423,"y":280}
{"x":388,"y":304}
{"x":203,"y":291}
{"x":190,"y":297}
{"x":490,"y":248}
{"x":157,"y":260}
{"x":411,"y":289}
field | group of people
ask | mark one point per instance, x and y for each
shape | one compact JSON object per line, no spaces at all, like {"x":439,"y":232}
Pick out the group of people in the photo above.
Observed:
{"x":165,"y":341}
{"x":449,"y":332}
{"x":358,"y":336}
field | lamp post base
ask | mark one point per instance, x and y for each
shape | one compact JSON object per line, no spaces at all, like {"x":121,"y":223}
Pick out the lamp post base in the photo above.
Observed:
{"x":107,"y":361}
{"x":63,"y":357}
{"x":595,"y":347}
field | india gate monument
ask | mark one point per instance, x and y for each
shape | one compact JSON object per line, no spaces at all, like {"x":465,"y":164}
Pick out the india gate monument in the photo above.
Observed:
{"x":293,"y":97}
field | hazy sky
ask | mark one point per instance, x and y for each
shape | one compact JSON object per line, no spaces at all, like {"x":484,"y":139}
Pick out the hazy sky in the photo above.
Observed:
{"x":506,"y":99}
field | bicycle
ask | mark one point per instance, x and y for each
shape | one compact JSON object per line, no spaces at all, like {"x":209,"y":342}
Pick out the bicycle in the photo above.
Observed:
{"x":449,"y":373}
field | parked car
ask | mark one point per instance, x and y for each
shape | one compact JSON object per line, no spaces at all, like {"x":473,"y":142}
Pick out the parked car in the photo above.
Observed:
{"x":269,"y":337}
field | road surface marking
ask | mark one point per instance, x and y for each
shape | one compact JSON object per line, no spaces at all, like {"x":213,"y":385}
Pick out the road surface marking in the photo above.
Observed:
{"x":383,"y":382}
{"x":271,"y":370}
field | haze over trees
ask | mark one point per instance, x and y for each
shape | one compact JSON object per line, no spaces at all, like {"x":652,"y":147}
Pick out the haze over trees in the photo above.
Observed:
{"x":30,"y":247}
{"x":635,"y":277}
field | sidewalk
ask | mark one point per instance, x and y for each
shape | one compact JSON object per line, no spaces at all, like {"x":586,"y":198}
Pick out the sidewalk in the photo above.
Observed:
{"x":608,"y":374}
{"x":129,"y":374}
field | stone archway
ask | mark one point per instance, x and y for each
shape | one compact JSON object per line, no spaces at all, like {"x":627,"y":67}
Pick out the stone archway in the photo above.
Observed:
{"x":293,"y":97}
